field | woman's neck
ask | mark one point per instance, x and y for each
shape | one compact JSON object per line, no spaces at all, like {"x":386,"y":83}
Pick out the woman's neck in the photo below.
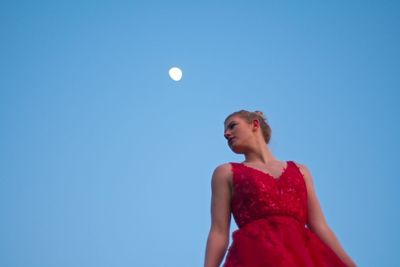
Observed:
{"x":261,"y":154}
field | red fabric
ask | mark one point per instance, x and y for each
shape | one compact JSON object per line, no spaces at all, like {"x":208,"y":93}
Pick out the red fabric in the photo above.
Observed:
{"x":271,"y":214}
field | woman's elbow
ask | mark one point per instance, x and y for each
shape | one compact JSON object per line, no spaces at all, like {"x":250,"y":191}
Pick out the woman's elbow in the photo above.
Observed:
{"x":220,"y":236}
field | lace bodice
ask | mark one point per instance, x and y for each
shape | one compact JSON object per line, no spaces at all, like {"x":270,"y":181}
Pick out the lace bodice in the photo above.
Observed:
{"x":257,"y":195}
{"x":271,"y":214}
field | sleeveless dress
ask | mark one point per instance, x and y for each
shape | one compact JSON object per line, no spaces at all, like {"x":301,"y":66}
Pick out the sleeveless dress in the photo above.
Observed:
{"x":271,"y":214}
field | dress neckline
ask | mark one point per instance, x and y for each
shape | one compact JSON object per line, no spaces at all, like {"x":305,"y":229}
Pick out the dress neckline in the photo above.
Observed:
{"x":266,"y":173}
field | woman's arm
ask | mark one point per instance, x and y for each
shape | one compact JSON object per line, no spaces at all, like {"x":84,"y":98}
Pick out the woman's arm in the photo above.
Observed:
{"x":317,"y":222}
{"x":218,"y":237}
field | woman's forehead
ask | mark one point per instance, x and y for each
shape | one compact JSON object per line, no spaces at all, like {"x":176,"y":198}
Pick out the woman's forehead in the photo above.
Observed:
{"x":231,"y":120}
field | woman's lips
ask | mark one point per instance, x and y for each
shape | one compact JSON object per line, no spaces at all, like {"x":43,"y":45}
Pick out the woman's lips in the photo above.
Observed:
{"x":231,"y":140}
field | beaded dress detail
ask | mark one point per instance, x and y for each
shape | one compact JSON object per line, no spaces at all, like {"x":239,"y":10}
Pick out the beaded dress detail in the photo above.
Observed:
{"x":271,"y":214}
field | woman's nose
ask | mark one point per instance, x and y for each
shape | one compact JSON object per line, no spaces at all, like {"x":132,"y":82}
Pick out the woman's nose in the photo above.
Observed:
{"x":227,"y":134}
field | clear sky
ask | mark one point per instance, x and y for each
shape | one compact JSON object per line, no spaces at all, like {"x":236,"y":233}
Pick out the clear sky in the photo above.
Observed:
{"x":106,"y":161}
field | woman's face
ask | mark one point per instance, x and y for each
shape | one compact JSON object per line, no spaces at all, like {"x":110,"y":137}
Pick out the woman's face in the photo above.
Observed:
{"x":237,"y":132}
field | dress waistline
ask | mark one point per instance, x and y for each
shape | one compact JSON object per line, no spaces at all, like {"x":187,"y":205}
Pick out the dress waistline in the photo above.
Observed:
{"x":295,"y":217}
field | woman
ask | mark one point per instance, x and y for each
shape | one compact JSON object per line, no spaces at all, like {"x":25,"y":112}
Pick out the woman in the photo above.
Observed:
{"x":274,"y":204}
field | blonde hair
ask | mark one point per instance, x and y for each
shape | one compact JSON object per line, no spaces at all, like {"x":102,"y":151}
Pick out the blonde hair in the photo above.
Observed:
{"x":249,"y":116}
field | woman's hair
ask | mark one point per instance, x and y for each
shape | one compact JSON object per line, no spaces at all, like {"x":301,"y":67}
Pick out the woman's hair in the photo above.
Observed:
{"x":250,"y":116}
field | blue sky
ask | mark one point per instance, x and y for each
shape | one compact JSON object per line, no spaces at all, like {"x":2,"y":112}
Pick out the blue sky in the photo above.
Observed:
{"x":105,"y":161}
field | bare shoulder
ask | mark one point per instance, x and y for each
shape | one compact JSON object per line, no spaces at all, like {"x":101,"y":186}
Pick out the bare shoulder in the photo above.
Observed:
{"x":305,"y":171}
{"x":223,"y":170}
{"x":222,"y":173}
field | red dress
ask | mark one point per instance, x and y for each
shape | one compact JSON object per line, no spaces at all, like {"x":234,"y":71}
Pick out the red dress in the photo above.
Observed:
{"x":271,"y":214}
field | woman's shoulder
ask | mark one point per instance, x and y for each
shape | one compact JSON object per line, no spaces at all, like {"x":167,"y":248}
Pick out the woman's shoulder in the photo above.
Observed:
{"x":304,"y":171}
{"x":223,"y":168}
{"x":223,"y":171}
{"x":298,"y":164}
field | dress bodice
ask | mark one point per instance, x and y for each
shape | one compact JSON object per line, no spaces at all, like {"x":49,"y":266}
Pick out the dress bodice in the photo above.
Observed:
{"x":257,"y":195}
{"x":271,"y":214}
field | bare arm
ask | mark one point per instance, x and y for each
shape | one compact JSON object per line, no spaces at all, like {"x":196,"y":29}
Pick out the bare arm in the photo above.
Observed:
{"x":317,"y":222}
{"x":218,"y":237}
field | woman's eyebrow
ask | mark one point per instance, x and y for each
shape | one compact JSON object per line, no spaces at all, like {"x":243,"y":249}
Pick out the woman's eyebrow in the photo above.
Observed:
{"x":232,"y":122}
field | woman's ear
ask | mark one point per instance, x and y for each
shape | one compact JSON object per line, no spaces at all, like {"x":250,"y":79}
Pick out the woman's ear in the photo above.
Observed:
{"x":256,"y":124}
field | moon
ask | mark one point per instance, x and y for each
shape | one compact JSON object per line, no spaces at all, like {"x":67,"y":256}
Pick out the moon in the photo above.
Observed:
{"x":175,"y":74}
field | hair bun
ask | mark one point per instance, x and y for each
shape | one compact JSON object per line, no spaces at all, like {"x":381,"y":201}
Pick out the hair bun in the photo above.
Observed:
{"x":259,"y":113}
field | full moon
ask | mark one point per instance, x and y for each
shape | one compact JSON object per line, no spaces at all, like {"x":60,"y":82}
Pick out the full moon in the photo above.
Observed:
{"x":175,"y":74}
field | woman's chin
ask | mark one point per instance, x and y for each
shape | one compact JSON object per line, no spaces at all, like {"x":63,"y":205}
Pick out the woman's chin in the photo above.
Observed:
{"x":236,"y":150}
